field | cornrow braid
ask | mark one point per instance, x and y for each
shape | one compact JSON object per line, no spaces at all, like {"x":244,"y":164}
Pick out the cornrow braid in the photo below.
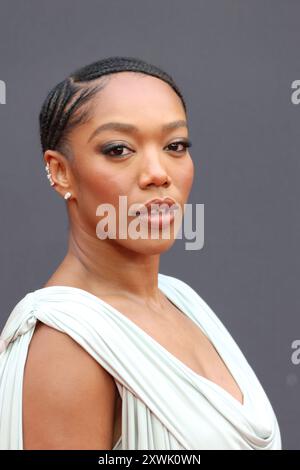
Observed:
{"x":66,"y":104}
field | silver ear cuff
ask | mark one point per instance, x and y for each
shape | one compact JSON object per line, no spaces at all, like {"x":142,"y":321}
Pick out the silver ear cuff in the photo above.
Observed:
{"x":47,"y":168}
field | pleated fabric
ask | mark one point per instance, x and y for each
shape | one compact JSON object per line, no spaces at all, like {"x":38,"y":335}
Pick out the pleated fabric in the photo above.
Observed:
{"x":165,"y":404}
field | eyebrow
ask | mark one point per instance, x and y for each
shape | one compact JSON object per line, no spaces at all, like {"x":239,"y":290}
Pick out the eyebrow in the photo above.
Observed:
{"x":130,"y":128}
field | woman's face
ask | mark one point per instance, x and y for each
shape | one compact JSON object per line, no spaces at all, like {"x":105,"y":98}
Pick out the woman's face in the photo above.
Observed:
{"x":143,"y":165}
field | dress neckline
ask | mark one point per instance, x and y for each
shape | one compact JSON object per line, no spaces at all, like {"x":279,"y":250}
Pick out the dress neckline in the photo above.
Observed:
{"x":176,"y":360}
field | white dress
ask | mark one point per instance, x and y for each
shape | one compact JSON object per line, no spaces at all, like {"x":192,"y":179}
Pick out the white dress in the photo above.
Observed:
{"x":165,"y":404}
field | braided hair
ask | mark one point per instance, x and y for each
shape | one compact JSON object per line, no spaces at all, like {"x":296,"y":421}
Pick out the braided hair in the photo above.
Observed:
{"x":66,"y":105}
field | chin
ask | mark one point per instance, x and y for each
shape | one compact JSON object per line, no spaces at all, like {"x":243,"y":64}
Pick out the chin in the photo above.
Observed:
{"x":147,"y":246}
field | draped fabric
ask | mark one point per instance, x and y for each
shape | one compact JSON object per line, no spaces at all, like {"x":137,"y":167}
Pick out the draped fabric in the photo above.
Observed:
{"x":165,"y":404}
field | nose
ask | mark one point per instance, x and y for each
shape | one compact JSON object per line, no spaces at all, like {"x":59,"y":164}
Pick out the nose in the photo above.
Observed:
{"x":153,"y":171}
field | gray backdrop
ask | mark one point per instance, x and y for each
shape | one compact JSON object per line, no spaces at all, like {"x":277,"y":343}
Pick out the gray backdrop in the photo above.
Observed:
{"x":235,"y":62}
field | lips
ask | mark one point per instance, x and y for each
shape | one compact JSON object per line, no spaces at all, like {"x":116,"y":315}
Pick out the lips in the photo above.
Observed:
{"x":158,"y":202}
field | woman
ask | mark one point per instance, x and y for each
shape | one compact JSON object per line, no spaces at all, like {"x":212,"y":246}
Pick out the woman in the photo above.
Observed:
{"x":110,"y":353}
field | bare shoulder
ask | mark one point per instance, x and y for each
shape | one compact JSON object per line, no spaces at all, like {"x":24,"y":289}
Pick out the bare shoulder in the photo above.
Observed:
{"x":68,"y":398}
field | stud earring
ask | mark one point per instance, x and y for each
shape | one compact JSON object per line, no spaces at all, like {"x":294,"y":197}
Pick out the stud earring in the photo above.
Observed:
{"x":67,"y":195}
{"x":47,"y":168}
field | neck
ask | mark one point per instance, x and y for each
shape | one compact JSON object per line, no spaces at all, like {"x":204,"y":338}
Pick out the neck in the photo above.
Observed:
{"x":104,"y":267}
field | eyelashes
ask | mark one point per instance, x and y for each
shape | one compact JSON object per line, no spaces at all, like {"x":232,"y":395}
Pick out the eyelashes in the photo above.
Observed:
{"x":119,"y":148}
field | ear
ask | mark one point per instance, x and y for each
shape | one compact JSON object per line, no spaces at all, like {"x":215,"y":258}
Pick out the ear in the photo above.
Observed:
{"x":59,"y":168}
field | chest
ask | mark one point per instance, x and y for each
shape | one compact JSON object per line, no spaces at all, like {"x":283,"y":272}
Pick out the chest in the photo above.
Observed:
{"x":183,"y":338}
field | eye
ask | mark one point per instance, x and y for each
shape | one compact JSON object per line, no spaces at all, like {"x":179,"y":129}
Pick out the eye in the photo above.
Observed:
{"x":116,"y":148}
{"x":184,"y":143}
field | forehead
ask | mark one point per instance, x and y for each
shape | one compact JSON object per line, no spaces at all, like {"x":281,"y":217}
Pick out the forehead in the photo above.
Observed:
{"x":133,"y":96}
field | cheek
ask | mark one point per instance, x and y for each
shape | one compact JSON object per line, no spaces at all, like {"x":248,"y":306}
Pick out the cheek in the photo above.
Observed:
{"x":97,"y":188}
{"x":103,"y":185}
{"x":184,"y":178}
